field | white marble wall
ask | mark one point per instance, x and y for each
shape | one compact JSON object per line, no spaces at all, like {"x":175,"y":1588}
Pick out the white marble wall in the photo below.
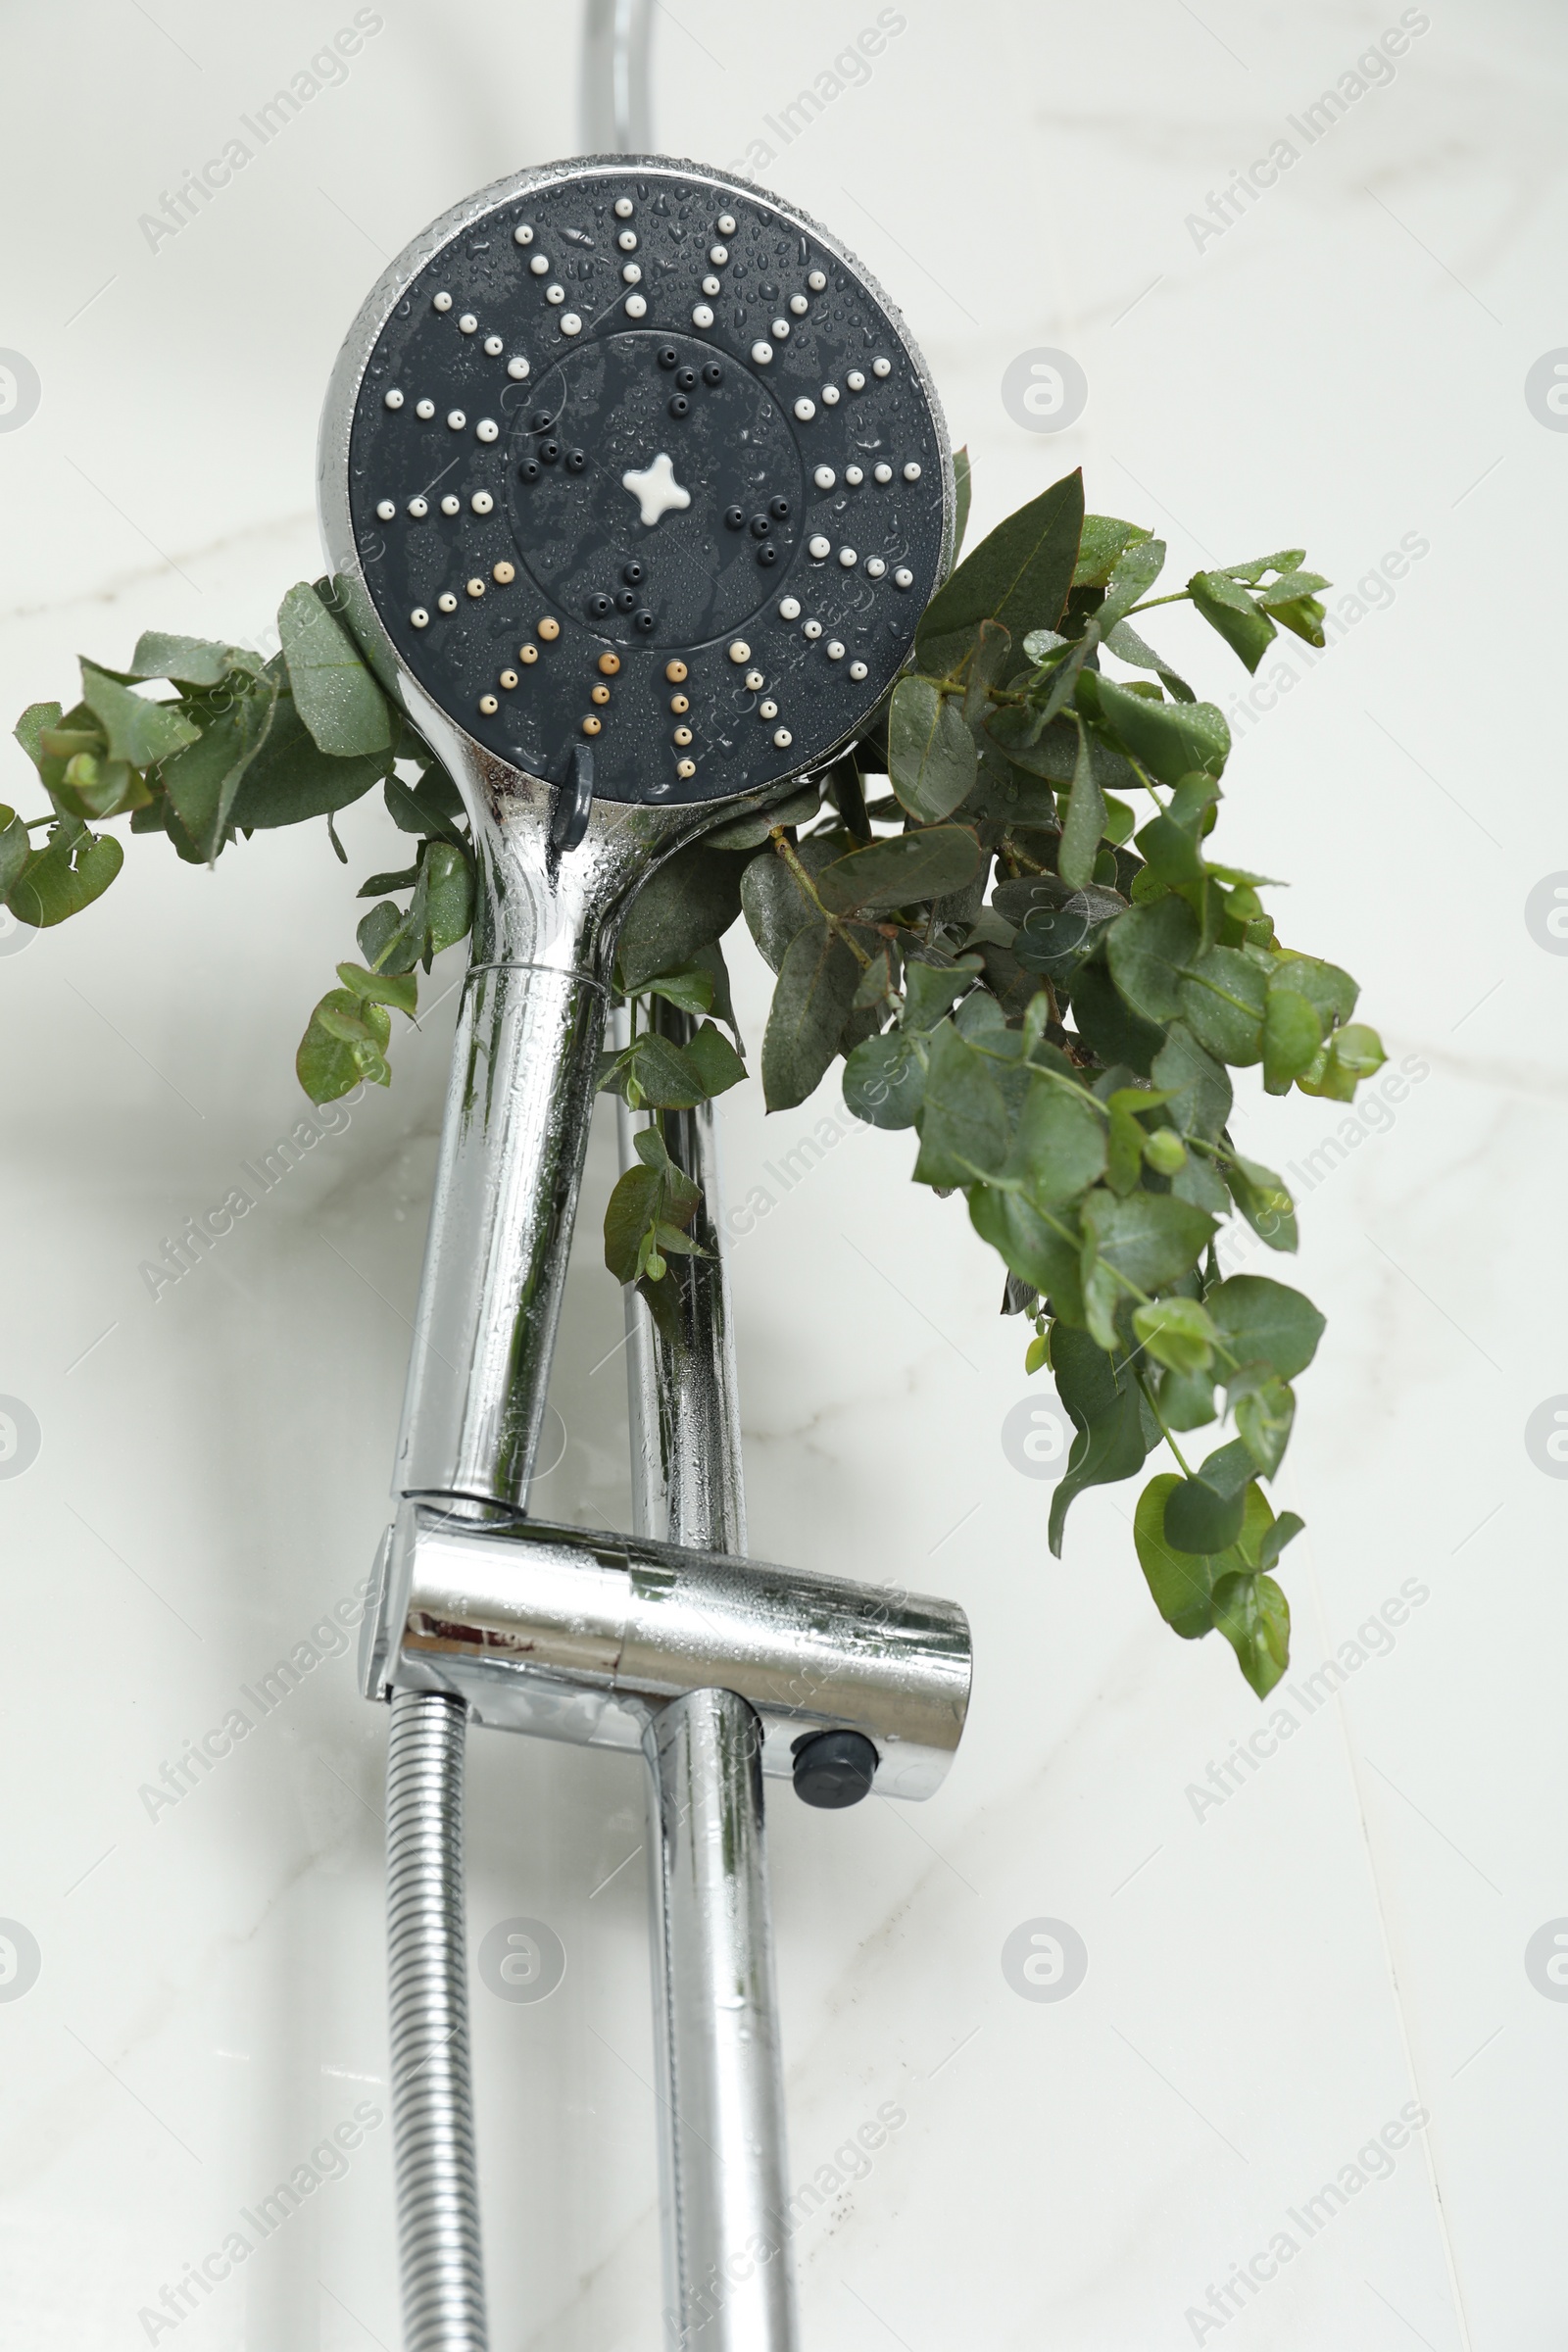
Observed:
{"x":1271,"y":1978}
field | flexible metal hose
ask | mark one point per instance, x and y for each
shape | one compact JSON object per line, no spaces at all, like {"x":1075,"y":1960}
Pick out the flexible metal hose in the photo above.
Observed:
{"x":432,"y":2104}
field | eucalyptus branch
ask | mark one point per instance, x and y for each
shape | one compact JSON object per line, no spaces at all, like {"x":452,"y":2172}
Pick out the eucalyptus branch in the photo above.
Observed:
{"x":1173,"y":988}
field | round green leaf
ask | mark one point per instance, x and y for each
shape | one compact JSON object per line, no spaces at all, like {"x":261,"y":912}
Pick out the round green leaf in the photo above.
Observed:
{"x":1200,"y":1520}
{"x":884,"y":1081}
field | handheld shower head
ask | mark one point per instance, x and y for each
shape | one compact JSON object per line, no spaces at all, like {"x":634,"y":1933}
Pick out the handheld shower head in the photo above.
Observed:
{"x":635,"y":488}
{"x":628,"y":455}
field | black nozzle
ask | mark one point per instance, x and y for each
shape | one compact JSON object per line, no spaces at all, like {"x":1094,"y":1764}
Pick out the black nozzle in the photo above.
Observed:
{"x":573,"y":801}
{"x":834,"y":1769}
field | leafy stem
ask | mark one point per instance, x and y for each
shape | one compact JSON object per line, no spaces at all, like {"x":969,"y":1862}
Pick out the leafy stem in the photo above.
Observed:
{"x":1165,"y":1431}
{"x":786,"y":849}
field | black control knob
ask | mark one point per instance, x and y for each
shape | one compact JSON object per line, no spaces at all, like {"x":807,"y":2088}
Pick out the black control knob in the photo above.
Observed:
{"x":834,"y":1769}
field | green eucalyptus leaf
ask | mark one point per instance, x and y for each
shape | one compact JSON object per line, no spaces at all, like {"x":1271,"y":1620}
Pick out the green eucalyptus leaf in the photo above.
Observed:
{"x":1351,"y":1054}
{"x":1176,"y":1332}
{"x":1109,"y":1444}
{"x":1108,"y":1024}
{"x":1221,"y":998}
{"x":202,"y":780}
{"x":1179,"y":1581}
{"x":1252,"y":571}
{"x":1229,"y":1471}
{"x":1261,"y":1321}
{"x":665,"y":1074}
{"x":1135,"y":570}
{"x":376,"y":932}
{"x":1050,"y":753}
{"x":711,"y":959}
{"x":1123,"y":640}
{"x":1303,"y":616}
{"x":1020,"y":573}
{"x":929,"y":991}
{"x":750,"y":832}
{"x":1124,"y":1154}
{"x":1254,"y":1617}
{"x":1281,"y":1531}
{"x":15,"y":847}
{"x":691,"y":989}
{"x":196,"y":661}
{"x":714,"y":1059}
{"x":34,"y":724}
{"x":1148,"y":1239}
{"x":687,"y":904}
{"x":772,"y":901}
{"x":1199,"y":1519}
{"x":1147,"y":949}
{"x":1059,"y":1148}
{"x":1289,"y":587}
{"x":344,"y":1045}
{"x":1187,"y":1399}
{"x":878,"y":984}
{"x":1167,"y":1156}
{"x":903,"y":871}
{"x":1292,"y":1037}
{"x":400,"y":990}
{"x":423,"y":807}
{"x":70,"y":743}
{"x":1229,"y":610}
{"x":290,"y":780}
{"x":1263,"y":1418}
{"x":57,"y":881}
{"x":884,"y":1080}
{"x":811,"y":1002}
{"x":989,"y":664}
{"x":137,"y":730}
{"x":1041,"y":1250}
{"x":1263,"y":1201}
{"x":1170,"y":739}
{"x":627,"y":1217}
{"x":1331,"y":991}
{"x":931,"y":754}
{"x":963,"y":484}
{"x":962,"y":1119}
{"x":343,"y":709}
{"x":1199,"y":1183}
{"x":448,"y":878}
{"x":1102,"y":544}
{"x":1170,"y":852}
{"x":1085,"y":820}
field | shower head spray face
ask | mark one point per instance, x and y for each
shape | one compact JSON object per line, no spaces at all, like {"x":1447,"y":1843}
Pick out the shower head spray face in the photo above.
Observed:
{"x":628,"y":455}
